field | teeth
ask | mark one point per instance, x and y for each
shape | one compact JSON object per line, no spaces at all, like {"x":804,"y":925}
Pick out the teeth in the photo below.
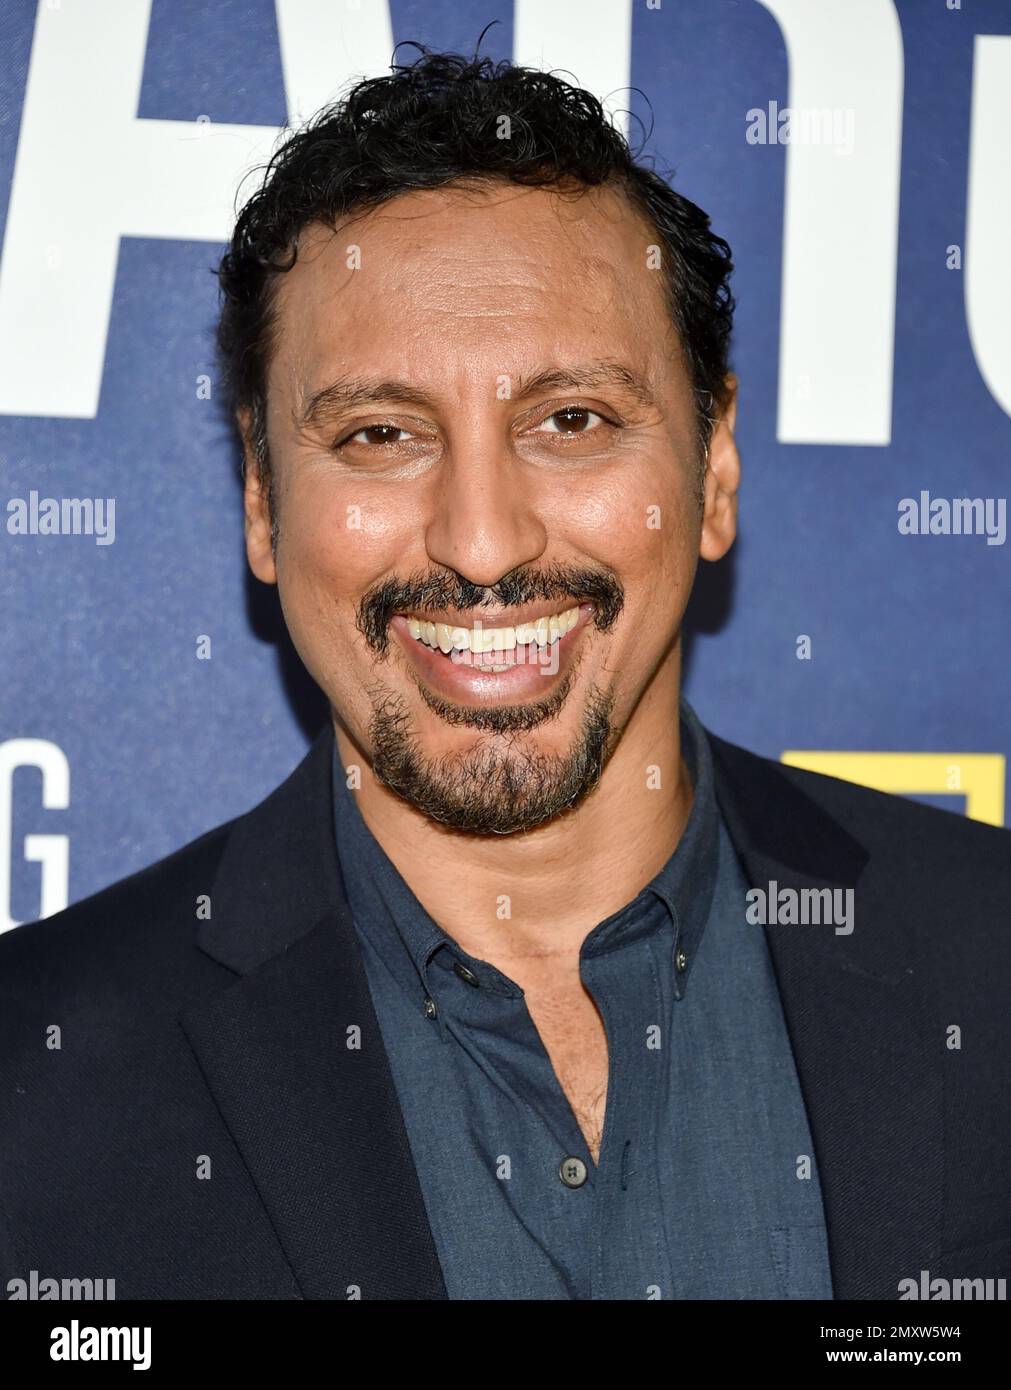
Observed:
{"x":493,"y":639}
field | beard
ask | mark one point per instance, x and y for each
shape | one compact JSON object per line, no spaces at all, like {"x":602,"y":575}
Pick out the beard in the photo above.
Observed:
{"x":502,"y":784}
{"x":499,"y":786}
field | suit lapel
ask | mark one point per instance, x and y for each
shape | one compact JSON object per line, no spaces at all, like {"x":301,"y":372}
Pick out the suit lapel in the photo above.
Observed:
{"x":293,"y":1055}
{"x":318,"y":1123}
{"x":867,"y":1052}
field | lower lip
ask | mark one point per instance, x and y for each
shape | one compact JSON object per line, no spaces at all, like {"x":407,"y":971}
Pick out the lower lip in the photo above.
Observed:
{"x":480,"y":685}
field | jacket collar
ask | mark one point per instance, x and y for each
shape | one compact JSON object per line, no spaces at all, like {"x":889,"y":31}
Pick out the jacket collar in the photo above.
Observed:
{"x":293,"y":1053}
{"x":864,"y":1034}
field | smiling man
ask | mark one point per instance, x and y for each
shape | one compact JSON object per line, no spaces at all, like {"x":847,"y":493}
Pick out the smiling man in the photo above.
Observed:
{"x":474,"y":1005}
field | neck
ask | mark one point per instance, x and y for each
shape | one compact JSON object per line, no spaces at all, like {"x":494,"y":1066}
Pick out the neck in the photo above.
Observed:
{"x":535,"y":894}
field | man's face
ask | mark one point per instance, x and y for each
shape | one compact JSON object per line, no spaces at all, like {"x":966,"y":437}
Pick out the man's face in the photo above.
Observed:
{"x":487,"y":530}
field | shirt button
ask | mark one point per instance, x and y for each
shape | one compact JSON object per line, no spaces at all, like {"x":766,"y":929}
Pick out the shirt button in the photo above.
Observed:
{"x":681,"y":962}
{"x":467,"y":975}
{"x":572,"y":1172}
{"x":429,"y":1006}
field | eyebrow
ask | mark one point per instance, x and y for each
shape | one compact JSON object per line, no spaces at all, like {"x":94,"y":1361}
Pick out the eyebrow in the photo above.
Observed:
{"x":349,"y":393}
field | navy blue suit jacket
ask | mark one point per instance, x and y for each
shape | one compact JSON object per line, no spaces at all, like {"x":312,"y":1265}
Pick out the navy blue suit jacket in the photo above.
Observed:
{"x":224,"y":1041}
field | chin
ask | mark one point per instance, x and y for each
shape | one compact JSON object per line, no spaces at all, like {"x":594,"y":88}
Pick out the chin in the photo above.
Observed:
{"x":500,"y":775}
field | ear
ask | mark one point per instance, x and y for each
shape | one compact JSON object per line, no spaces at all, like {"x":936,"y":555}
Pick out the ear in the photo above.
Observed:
{"x":259,"y":550}
{"x":723,"y":477}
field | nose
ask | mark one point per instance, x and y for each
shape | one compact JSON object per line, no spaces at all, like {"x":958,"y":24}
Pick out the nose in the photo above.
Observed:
{"x":485,"y":520}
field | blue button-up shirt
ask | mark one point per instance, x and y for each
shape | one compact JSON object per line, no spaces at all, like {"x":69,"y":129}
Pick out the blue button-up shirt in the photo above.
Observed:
{"x":706,"y":1185}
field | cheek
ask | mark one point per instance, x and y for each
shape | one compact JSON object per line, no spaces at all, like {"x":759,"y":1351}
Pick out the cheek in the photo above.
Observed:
{"x":335,"y":543}
{"x":642,"y":522}
{"x":338,"y":538}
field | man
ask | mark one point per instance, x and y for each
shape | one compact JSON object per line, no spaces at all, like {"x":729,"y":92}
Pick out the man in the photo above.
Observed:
{"x":480,"y":1003}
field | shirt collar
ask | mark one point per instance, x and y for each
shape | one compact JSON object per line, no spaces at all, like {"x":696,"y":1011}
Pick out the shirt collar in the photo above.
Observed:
{"x":685,"y":885}
{"x":681,"y":892}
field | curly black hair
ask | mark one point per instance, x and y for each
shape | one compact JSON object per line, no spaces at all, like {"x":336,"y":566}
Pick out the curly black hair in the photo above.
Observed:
{"x":435,"y":121}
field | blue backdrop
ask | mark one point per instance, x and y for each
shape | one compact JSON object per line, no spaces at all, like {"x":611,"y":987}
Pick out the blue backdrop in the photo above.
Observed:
{"x":118,"y":744}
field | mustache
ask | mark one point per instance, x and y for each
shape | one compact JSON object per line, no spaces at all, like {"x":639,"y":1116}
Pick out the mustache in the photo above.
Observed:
{"x":437,"y":590}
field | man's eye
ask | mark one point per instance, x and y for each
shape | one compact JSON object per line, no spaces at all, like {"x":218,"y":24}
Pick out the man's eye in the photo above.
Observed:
{"x":374,"y":434}
{"x":572,"y":420}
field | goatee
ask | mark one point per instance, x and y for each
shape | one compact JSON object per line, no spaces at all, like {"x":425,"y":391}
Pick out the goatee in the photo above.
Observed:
{"x":491,"y":789}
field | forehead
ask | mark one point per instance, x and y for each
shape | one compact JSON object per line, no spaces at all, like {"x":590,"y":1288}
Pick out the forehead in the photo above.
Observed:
{"x":472,"y":283}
